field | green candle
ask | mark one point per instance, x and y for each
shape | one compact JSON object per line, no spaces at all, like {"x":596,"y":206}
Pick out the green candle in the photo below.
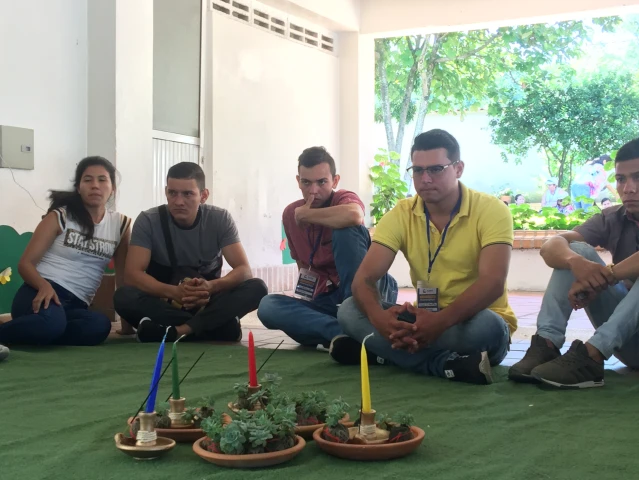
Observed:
{"x":176,"y":377}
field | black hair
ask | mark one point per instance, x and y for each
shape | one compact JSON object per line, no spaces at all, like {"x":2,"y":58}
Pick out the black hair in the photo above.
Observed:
{"x":314,"y":156}
{"x":629,"y":151}
{"x":434,"y":139}
{"x":72,"y":201}
{"x":518,"y":195}
{"x":605,"y":200}
{"x":187,"y":171}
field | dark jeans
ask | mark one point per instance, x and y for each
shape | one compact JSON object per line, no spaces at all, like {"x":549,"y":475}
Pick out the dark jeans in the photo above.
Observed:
{"x":486,"y":331}
{"x":315,"y":323}
{"x":133,"y":305}
{"x":70,"y":323}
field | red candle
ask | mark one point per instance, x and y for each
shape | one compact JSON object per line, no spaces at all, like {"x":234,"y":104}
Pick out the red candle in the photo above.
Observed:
{"x":251,"y":355}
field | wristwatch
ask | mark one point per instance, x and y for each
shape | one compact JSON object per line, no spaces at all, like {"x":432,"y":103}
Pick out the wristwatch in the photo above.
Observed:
{"x":612,"y":271}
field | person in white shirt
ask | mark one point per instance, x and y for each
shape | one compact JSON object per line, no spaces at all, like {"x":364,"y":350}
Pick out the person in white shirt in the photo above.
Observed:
{"x":554,"y":193}
{"x":64,"y":262}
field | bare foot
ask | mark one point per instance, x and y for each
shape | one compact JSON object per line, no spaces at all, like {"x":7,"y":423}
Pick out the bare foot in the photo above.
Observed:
{"x":126,"y":328}
{"x":4,"y":318}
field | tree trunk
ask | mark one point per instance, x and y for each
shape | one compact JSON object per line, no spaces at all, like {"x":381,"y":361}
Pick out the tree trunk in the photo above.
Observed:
{"x":380,"y":50}
{"x":410,"y":87}
{"x":427,"y":81}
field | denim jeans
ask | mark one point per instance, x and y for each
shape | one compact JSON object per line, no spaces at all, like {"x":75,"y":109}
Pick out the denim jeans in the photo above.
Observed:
{"x":486,"y":331}
{"x":579,"y":190}
{"x":614,"y":313}
{"x":315,"y":322}
{"x":70,"y":323}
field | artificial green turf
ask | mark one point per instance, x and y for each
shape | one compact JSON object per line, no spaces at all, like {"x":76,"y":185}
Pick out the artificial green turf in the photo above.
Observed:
{"x":60,"y":408}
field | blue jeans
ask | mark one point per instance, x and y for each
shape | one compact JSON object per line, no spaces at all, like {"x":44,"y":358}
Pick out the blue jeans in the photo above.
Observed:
{"x":485,"y":332}
{"x":614,"y":313}
{"x":315,"y":323}
{"x":70,"y":323}
{"x":578,"y":190}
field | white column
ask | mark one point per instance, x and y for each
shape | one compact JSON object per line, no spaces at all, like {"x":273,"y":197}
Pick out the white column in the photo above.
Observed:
{"x":357,"y":113}
{"x":120,"y":112}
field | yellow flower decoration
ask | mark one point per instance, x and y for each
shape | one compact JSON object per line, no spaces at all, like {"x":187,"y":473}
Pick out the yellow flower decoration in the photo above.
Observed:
{"x":5,"y":276}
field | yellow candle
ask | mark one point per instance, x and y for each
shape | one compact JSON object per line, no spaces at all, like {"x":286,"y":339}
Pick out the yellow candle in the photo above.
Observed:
{"x":366,"y":388}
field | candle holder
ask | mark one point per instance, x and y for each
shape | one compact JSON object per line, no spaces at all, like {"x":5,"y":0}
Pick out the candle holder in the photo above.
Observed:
{"x":245,"y":392}
{"x":147,"y":445}
{"x":146,"y":436}
{"x":177,"y":412}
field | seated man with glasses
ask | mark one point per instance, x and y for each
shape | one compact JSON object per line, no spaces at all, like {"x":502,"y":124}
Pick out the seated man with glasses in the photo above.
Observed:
{"x":328,"y":240}
{"x":458,"y":243}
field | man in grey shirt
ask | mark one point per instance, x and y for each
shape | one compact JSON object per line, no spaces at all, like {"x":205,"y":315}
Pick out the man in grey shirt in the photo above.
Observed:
{"x":173,"y":267}
{"x":581,"y":279}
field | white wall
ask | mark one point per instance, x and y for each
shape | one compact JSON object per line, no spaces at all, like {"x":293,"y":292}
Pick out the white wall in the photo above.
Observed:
{"x":391,"y":17}
{"x":271,"y":99}
{"x":43,"y":86}
{"x":484,"y":168}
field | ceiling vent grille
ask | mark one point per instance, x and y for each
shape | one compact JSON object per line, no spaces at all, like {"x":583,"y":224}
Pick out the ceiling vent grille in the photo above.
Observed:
{"x":277,"y":23}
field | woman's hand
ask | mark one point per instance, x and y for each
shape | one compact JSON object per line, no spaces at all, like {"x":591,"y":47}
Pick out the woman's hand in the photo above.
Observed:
{"x":46,"y":293}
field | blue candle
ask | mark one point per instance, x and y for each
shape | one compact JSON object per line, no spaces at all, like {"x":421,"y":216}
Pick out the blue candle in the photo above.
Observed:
{"x":150,"y":404}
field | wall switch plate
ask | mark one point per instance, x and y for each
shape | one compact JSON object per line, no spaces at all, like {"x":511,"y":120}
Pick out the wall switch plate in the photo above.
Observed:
{"x":16,"y":148}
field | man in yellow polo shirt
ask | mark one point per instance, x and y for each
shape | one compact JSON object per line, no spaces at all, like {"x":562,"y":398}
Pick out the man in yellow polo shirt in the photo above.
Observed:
{"x":458,"y":243}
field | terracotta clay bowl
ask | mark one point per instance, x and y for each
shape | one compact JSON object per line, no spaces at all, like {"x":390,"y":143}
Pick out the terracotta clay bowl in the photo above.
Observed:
{"x":183,"y":435}
{"x":250,"y":461}
{"x":162,"y":446}
{"x":386,"y":451}
{"x":306,"y":431}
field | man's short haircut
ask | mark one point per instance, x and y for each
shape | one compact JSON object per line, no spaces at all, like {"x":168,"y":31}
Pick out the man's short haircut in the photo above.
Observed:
{"x":434,"y":139}
{"x":314,"y":156}
{"x":187,"y":171}
{"x":518,"y":195}
{"x":605,"y":200}
{"x":629,"y":151}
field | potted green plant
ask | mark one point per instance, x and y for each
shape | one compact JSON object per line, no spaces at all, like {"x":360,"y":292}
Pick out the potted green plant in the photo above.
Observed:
{"x":334,"y":430}
{"x":255,"y":399}
{"x":261,"y":438}
{"x":399,"y":428}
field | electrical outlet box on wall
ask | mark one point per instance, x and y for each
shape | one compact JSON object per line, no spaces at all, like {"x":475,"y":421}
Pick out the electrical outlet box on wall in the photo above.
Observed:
{"x":16,"y":148}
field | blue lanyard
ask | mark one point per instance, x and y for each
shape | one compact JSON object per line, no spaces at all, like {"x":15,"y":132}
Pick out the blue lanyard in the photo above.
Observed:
{"x":432,"y":258}
{"x":310,"y":242}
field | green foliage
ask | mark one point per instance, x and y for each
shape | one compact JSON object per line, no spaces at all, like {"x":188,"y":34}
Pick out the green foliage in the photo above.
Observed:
{"x":269,"y":384}
{"x":387,"y":182}
{"x":525,"y":218}
{"x":310,"y":407}
{"x":335,"y":411}
{"x":462,"y":71}
{"x":213,"y":426}
{"x":401,"y":418}
{"x":199,"y":409}
{"x":233,"y":440}
{"x":571,"y":122}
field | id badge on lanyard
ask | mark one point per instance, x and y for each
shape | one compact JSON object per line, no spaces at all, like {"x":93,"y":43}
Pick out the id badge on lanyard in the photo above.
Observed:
{"x":427,"y":293}
{"x":308,"y":280}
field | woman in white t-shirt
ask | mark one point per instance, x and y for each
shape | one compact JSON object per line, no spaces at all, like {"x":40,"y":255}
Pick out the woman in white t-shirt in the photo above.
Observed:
{"x":64,"y":262}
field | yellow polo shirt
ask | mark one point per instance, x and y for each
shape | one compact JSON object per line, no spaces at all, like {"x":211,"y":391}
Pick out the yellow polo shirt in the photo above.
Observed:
{"x":482,"y":220}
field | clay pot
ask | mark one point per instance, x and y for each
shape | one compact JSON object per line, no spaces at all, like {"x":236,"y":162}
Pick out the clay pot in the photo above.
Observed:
{"x":182,"y":435}
{"x":384,"y":451}
{"x":249,"y":460}
{"x":306,"y":431}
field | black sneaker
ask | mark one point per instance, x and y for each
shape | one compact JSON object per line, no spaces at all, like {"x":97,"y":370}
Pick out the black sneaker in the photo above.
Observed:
{"x":153,"y":332}
{"x":473,"y":368}
{"x":538,"y":354}
{"x":229,"y":332}
{"x":347,"y":351}
{"x":574,"y":369}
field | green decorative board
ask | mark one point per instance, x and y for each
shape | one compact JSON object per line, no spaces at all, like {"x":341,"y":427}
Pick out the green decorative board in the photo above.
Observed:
{"x":12,"y":246}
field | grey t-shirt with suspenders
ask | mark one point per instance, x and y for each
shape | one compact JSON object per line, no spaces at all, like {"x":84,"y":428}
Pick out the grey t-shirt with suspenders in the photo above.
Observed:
{"x":197,"y":248}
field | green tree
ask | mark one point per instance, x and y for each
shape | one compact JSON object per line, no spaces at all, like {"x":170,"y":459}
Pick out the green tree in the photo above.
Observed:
{"x":569,"y":121}
{"x":459,"y":71}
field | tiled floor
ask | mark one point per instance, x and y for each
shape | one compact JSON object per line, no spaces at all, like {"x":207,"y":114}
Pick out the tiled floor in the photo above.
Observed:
{"x":525,"y":305}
